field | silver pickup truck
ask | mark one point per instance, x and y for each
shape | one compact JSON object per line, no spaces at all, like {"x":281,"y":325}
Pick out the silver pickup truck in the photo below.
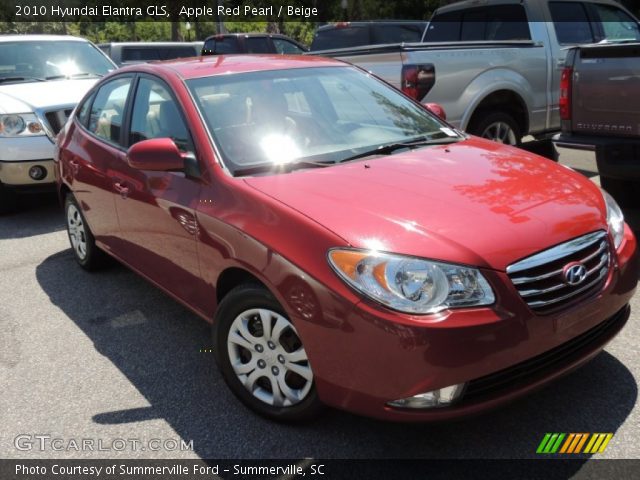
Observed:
{"x":494,"y":65}
{"x":600,"y":110}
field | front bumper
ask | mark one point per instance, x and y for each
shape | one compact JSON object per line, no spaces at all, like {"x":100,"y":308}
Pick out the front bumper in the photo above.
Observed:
{"x":18,"y":155}
{"x":364,"y":357}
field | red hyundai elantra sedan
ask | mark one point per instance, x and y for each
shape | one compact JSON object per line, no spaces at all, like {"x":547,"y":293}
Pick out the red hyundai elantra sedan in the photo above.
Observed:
{"x":349,"y":248}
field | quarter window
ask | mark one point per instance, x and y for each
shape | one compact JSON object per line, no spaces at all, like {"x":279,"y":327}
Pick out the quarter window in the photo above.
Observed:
{"x":106,"y":115}
{"x":156,"y":115}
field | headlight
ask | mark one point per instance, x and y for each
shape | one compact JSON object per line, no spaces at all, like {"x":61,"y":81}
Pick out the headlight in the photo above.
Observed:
{"x":615,"y":219}
{"x":411,"y":285}
{"x":19,"y":125}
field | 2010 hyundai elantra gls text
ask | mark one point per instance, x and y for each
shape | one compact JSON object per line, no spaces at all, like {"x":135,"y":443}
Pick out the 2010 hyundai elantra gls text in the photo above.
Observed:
{"x":348,"y":247}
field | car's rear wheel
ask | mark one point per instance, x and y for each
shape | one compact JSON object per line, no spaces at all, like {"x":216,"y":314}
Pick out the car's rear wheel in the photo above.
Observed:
{"x":261,"y":356}
{"x":83,"y":244}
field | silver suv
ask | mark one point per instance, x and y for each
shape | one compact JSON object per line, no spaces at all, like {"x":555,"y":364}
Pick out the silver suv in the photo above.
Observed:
{"x":42,"y":78}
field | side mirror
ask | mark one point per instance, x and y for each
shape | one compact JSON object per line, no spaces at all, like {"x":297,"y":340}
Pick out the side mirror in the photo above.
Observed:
{"x":157,"y":154}
{"x":436,"y":109}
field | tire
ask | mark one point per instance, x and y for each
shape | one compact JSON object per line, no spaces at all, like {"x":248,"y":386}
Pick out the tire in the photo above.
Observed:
{"x":8,"y":200}
{"x":83,"y":244}
{"x":268,"y":371}
{"x":497,"y":126}
{"x":623,"y":191}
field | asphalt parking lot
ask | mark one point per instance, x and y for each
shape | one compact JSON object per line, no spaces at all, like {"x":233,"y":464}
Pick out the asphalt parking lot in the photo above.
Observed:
{"x":107,"y":356}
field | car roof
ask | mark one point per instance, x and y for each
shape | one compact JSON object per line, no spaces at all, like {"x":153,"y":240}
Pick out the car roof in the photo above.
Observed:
{"x":224,"y":64}
{"x":41,"y":38}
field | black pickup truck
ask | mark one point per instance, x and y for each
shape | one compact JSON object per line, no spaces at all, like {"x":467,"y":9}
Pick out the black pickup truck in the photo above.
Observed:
{"x":600,"y":111}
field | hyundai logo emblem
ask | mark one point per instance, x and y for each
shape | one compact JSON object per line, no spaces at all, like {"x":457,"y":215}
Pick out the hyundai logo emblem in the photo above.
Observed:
{"x":574,"y":273}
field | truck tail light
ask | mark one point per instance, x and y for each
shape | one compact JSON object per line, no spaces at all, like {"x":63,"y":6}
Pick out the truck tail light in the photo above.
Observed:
{"x":565,"y":93}
{"x":417,"y":80}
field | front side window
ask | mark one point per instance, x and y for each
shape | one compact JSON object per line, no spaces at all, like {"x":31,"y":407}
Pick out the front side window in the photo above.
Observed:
{"x":156,"y":115}
{"x":269,"y":118}
{"x":30,"y":61}
{"x":616,"y":24}
{"x":106,"y":115}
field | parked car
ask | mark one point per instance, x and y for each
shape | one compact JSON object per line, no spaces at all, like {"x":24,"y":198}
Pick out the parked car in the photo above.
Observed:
{"x":42,"y":77}
{"x":600,"y":108}
{"x":355,"y":34}
{"x":129,"y":53}
{"x":229,"y":43}
{"x":493,"y":66}
{"x":349,"y":247}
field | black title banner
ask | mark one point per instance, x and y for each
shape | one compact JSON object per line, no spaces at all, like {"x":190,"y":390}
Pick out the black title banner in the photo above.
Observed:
{"x":317,"y":469}
{"x":159,"y":10}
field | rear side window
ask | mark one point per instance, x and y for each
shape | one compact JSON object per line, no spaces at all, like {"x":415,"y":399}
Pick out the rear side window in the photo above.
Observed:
{"x":258,"y":45}
{"x":507,"y":22}
{"x":219,"y":46}
{"x":341,"y":37}
{"x":396,"y":33}
{"x":105,"y":117}
{"x":571,"y":23}
{"x":444,"y":28}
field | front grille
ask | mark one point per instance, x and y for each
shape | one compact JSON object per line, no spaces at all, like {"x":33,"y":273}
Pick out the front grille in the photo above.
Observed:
{"x":57,"y":119}
{"x":538,"y":367}
{"x":540,"y":279}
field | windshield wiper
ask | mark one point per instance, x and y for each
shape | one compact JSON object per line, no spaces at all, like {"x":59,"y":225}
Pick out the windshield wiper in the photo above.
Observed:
{"x":20,"y":79}
{"x":280,"y":168}
{"x":389,"y":148}
{"x":74,"y":75}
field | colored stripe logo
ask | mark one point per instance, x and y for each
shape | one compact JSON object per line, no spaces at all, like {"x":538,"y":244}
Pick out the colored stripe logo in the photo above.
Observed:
{"x":574,"y":443}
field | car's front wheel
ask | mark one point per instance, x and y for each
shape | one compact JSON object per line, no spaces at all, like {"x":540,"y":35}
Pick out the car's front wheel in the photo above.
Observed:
{"x":83,"y":244}
{"x":261,"y":356}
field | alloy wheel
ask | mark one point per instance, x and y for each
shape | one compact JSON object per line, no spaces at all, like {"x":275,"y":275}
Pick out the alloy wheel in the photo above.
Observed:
{"x":267,"y":356}
{"x":500,"y":132}
{"x":77,"y":232}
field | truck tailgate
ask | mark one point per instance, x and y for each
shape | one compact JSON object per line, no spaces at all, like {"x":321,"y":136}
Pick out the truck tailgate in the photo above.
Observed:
{"x":606,"y":90}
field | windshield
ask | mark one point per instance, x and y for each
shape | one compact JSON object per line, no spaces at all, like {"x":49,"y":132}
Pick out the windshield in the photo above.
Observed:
{"x":320,"y":115}
{"x":40,"y":60}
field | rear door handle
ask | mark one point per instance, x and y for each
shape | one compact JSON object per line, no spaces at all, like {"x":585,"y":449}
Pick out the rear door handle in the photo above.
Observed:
{"x":75,"y":166}
{"x":121,"y":188}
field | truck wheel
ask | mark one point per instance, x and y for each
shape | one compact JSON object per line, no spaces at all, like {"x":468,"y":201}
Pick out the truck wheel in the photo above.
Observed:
{"x":84,"y":247}
{"x":623,"y":191}
{"x":261,"y":356}
{"x":8,"y":200}
{"x":497,"y":126}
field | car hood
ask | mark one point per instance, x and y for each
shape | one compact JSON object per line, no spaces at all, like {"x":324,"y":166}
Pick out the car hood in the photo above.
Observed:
{"x":27,"y":97}
{"x":475,"y":202}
